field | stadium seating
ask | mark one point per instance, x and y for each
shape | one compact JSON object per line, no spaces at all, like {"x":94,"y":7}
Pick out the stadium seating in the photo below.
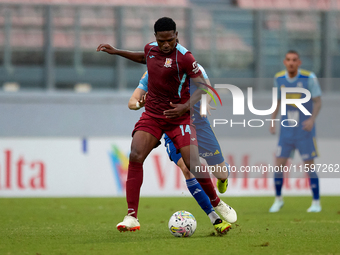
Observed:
{"x":290,"y":4}
{"x":179,"y":3}
{"x":97,"y":25}
{"x":223,"y":37}
{"x":213,"y":2}
{"x":95,"y":22}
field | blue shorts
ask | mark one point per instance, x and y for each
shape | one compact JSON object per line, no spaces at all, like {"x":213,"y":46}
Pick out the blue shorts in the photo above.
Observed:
{"x":208,"y":146}
{"x":307,"y":148}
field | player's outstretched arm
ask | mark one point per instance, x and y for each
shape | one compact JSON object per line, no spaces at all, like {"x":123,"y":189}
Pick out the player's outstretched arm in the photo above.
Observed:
{"x":136,"y":56}
{"x":137,"y":100}
{"x":309,"y":123}
{"x":196,"y":96}
{"x":209,"y":99}
{"x":272,"y":128}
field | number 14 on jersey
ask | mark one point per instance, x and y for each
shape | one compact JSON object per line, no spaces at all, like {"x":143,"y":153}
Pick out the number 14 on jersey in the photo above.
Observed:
{"x":187,"y":129}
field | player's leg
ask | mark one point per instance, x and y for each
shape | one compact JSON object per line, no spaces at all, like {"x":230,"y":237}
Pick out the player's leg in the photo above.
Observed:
{"x":210,"y":150}
{"x":224,"y":209}
{"x":207,"y":185}
{"x":308,"y":150}
{"x":278,"y":176}
{"x":314,"y":184}
{"x":227,"y":212}
{"x":146,"y":136}
{"x":192,"y":183}
{"x":278,"y":182}
{"x":141,"y":145}
{"x":184,"y":169}
{"x":204,"y":179}
{"x":186,"y":142}
{"x":284,"y":149}
{"x":197,"y":191}
{"x":191,"y":160}
{"x":222,"y":184}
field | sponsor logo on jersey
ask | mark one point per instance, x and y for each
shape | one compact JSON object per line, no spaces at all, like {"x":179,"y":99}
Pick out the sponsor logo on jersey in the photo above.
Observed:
{"x":168,"y":62}
{"x":206,"y":154}
{"x":195,"y":67}
{"x":216,"y":152}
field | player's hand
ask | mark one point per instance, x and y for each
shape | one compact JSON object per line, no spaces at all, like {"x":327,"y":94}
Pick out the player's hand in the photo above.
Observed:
{"x":272,"y":129}
{"x":179,"y":110}
{"x":308,"y":124}
{"x":107,"y":48}
{"x":209,"y":107}
{"x":143,"y":100}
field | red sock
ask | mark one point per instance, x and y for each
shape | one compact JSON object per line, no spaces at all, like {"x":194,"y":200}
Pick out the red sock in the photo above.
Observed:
{"x":133,"y":183}
{"x":209,"y":189}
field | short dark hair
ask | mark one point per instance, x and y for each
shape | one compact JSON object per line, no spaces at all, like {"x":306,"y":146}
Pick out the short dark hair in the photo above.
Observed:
{"x":164,"y":24}
{"x":293,"y":52}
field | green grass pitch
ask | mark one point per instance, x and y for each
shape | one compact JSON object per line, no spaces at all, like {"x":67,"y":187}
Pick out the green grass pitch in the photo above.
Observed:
{"x":42,"y":226}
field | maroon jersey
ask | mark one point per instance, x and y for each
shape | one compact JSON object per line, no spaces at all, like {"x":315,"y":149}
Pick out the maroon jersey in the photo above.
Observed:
{"x":169,"y":76}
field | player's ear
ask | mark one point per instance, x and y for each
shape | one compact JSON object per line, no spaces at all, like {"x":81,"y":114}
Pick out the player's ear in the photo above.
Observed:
{"x":299,"y":62}
{"x":176,"y":33}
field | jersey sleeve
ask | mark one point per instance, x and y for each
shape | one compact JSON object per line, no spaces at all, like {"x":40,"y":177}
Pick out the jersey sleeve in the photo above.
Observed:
{"x":143,"y":83}
{"x":147,"y":48}
{"x":314,"y":86}
{"x":190,"y":66}
{"x":203,"y":71}
{"x":276,"y":85}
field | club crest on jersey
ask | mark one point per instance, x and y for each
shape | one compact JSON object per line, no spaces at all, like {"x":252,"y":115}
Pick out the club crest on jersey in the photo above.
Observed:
{"x":168,"y":62}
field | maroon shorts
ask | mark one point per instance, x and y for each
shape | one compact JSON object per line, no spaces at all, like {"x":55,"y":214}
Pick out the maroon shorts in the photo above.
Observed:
{"x":181,"y":131}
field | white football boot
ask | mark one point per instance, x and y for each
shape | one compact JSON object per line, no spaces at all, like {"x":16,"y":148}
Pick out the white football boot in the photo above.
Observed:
{"x":278,"y":203}
{"x":315,"y":207}
{"x":129,"y":223}
{"x":227,"y":212}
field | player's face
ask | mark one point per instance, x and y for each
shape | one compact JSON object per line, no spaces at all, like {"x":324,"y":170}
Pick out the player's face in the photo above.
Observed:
{"x":292,"y":62}
{"x":166,"y":40}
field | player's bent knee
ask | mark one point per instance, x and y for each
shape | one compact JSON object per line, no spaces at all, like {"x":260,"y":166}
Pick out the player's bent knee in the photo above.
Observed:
{"x":136,"y":157}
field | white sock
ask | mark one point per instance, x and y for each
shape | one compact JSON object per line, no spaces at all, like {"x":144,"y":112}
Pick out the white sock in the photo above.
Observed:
{"x":316,"y":202}
{"x":280,"y":199}
{"x":213,"y":216}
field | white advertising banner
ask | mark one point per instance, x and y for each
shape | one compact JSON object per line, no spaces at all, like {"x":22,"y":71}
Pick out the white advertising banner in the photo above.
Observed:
{"x":69,"y":167}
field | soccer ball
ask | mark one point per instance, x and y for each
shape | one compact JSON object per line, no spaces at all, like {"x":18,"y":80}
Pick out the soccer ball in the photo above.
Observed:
{"x":182,"y":224}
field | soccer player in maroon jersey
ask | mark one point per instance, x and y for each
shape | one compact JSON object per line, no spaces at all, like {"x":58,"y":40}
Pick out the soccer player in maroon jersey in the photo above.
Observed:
{"x":167,"y":110}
